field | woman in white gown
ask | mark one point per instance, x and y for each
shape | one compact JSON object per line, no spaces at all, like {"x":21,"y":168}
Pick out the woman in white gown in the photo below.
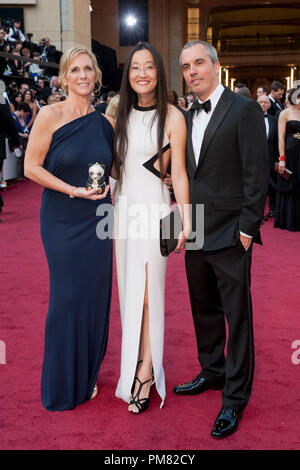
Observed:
{"x":149,"y":135}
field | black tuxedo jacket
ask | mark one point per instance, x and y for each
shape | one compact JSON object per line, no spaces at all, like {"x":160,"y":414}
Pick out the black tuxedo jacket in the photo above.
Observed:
{"x":8,"y":127}
{"x":232,"y":175}
{"x":273,"y":109}
{"x":273,"y":141}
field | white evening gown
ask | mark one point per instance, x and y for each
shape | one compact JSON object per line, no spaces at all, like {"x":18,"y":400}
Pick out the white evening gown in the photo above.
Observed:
{"x":137,"y":245}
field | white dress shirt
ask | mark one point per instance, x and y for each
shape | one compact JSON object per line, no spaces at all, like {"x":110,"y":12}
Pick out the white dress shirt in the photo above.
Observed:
{"x":267,"y":125}
{"x":200,"y":122}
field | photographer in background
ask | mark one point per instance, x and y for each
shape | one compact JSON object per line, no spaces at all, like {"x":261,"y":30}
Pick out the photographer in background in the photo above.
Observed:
{"x":3,"y":43}
{"x":14,"y":66}
{"x":25,"y":52}
{"x":7,"y":127}
{"x":48,"y":54}
{"x":15,"y":33}
{"x":42,"y":92}
{"x":34,"y":69}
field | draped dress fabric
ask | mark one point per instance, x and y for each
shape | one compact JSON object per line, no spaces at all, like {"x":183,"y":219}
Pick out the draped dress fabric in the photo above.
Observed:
{"x":287,"y":215}
{"x":80,"y":266}
{"x":28,"y":119}
{"x":137,"y":246}
{"x":21,"y":127}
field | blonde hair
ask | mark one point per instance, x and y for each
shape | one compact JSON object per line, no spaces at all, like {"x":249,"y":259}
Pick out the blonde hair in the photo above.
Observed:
{"x":112,"y":106}
{"x":51,"y":99}
{"x":67,"y":58}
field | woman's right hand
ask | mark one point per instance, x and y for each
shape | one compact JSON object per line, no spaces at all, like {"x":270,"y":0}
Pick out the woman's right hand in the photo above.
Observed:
{"x":91,"y":194}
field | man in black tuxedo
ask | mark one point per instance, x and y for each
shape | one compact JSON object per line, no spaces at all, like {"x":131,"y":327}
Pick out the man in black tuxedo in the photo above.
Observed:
{"x":43,"y":92}
{"x":8,"y":127}
{"x":275,"y":97}
{"x":103,"y":103}
{"x":227,"y":165}
{"x":272,"y":137}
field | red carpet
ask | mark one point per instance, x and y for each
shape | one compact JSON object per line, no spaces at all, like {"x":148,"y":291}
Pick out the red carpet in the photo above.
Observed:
{"x":271,"y":419}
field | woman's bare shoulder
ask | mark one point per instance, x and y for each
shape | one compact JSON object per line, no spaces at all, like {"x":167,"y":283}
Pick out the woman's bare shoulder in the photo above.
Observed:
{"x":284,"y":115}
{"x":175,"y":117}
{"x":174,"y":111}
{"x":53,"y":111}
{"x":49,"y":118}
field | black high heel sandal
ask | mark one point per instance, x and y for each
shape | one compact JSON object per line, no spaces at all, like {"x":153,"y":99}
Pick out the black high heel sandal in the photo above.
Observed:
{"x":141,"y":403}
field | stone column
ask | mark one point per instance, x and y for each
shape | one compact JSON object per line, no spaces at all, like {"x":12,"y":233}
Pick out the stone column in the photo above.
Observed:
{"x":75,"y":23}
{"x":158,"y":29}
{"x":177,"y":34}
{"x":43,"y":20}
{"x":204,"y":13}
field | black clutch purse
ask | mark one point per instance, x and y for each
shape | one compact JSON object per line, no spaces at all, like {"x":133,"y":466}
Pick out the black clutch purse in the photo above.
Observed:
{"x":170,"y":228}
{"x":287,"y":173}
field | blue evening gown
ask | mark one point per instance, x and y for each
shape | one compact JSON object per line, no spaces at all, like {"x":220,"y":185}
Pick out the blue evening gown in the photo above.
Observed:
{"x":80,"y":266}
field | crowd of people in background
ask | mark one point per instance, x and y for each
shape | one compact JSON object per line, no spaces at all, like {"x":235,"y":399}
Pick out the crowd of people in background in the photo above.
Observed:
{"x":281,"y":109}
{"x":280,"y":106}
{"x":31,"y":87}
{"x":26,"y":85}
{"x":13,"y":42}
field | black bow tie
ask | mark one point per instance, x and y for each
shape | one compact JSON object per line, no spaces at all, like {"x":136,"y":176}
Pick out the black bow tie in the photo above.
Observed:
{"x":196,"y":106}
{"x":266,"y":116}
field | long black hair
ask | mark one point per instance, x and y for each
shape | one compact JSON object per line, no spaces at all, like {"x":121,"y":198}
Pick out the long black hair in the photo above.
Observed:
{"x":129,"y":98}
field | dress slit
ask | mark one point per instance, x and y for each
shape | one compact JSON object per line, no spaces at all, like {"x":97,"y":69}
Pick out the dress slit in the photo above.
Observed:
{"x":158,"y":375}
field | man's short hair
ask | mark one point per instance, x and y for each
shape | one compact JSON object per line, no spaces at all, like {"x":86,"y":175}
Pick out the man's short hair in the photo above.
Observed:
{"x":210,"y":50}
{"x":23,"y":107}
{"x":244,"y":91}
{"x":240,"y":85}
{"x":276,"y":85}
{"x":264,"y":89}
{"x":264,"y":97}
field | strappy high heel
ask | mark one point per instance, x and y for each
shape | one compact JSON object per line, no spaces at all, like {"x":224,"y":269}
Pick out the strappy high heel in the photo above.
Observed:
{"x":140,"y":403}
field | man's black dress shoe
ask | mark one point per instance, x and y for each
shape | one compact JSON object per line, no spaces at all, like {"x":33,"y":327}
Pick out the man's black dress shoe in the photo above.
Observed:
{"x":198,"y":385}
{"x":226,"y":423}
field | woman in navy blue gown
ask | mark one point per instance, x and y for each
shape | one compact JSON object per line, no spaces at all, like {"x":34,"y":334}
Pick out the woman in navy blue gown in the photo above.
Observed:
{"x":65,"y":139}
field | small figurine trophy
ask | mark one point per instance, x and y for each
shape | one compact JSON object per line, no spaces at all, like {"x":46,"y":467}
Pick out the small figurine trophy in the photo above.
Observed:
{"x":96,"y":178}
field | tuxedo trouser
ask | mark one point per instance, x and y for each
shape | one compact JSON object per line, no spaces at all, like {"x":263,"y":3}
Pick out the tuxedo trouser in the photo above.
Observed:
{"x":272,"y":198}
{"x":272,"y":192}
{"x":219,"y":288}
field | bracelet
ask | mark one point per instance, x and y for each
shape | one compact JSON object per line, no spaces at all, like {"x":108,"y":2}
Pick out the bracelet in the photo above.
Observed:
{"x":282,"y":158}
